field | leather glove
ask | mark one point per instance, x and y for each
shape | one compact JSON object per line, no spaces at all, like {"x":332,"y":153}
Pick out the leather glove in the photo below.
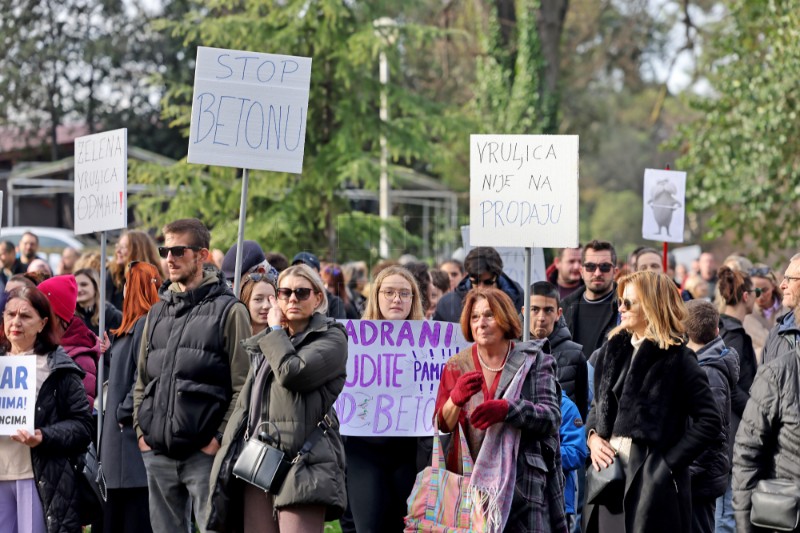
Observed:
{"x":488,"y":413}
{"x":466,"y":387}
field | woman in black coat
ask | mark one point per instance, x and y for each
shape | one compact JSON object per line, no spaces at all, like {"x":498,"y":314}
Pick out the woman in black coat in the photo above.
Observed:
{"x":126,"y":478}
{"x":40,"y":464}
{"x":648,"y":386}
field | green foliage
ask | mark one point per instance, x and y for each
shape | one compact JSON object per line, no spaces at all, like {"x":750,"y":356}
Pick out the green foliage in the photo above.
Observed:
{"x":508,"y":92}
{"x":622,"y":225}
{"x":742,"y":151}
{"x":287,"y":212}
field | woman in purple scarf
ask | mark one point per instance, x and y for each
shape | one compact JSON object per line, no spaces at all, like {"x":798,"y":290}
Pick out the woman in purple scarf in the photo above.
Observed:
{"x":504,"y":396}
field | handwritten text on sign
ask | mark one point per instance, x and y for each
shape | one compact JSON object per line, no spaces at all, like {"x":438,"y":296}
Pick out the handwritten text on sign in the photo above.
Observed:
{"x":249,"y":110}
{"x":524,"y":190}
{"x":393,"y":373}
{"x":17,"y":393}
{"x":101,"y":182}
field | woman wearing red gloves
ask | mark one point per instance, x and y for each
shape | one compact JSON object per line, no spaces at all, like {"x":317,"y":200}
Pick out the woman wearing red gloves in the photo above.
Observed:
{"x":503,"y":395}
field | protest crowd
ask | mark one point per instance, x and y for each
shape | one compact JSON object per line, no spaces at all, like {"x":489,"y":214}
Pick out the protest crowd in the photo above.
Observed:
{"x":648,"y":398}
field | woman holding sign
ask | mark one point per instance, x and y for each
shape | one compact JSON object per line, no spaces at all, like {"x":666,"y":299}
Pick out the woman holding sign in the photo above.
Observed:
{"x":37,"y":482}
{"x":299,"y":365}
{"x":504,"y":396}
{"x":381,"y":470}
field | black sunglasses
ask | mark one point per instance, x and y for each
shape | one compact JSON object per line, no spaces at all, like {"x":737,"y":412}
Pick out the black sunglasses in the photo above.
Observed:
{"x":761,"y":272}
{"x":176,"y":251}
{"x":302,"y":293}
{"x":487,"y":282}
{"x":758,"y":291}
{"x":624,"y":301}
{"x":605,"y":268}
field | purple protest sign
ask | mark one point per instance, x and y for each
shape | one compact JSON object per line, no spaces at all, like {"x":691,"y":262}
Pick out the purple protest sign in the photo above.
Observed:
{"x":393,"y":372}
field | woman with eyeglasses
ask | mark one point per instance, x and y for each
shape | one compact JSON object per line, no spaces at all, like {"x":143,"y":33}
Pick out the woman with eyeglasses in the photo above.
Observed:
{"x":769,"y":299}
{"x":381,"y":470}
{"x":299,"y":365}
{"x":126,"y":509}
{"x":648,"y":388}
{"x":133,"y":245}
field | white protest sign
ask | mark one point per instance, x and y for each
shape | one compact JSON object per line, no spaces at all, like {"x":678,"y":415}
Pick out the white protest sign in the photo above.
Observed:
{"x":101,"y":182}
{"x":664,"y":205}
{"x":393,"y":373}
{"x":524,"y":190}
{"x":514,"y":260}
{"x":17,"y":393}
{"x":249,"y":110}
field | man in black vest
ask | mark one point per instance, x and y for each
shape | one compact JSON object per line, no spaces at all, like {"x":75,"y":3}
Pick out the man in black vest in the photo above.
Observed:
{"x":592,"y":311}
{"x":191,"y":369}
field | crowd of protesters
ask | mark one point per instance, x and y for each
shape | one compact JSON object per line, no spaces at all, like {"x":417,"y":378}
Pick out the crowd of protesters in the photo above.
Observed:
{"x":686,"y":377}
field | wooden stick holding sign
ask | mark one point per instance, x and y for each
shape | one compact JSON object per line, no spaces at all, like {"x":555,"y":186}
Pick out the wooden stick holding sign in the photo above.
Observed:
{"x":249,"y":111}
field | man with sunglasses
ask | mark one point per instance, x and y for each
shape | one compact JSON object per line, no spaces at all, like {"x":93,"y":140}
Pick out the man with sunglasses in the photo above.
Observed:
{"x":592,"y":311}
{"x":191,"y":368}
{"x":484,"y":267}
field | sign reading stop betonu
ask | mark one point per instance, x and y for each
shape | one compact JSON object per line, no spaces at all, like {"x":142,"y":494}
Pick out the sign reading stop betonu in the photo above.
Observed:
{"x":249,"y":110}
{"x":524,"y":190}
{"x":101,"y":182}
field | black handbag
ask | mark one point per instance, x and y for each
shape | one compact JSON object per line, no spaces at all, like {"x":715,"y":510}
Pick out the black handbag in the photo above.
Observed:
{"x":261,"y":462}
{"x":607,"y":486}
{"x":775,"y":504}
{"x":90,"y":485}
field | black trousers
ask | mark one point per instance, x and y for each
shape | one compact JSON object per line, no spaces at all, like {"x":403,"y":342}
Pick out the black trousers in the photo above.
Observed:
{"x":703,"y":514}
{"x":127,"y":511}
{"x":380,"y":476}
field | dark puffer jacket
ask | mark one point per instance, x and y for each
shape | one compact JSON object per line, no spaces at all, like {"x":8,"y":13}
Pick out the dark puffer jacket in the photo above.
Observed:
{"x":62,"y":415}
{"x":449,"y":307}
{"x":710,"y":471}
{"x":768,"y":442}
{"x":305,"y":375}
{"x":782,"y":338}
{"x":573,"y":374}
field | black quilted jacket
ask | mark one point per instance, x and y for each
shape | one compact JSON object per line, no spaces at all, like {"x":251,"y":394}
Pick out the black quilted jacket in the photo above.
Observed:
{"x":63,"y":416}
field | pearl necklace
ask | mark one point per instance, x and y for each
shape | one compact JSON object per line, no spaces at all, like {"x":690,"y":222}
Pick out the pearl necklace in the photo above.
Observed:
{"x":490,"y":369}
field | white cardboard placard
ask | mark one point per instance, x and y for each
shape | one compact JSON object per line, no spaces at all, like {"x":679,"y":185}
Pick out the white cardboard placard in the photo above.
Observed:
{"x":249,"y":110}
{"x":664,"y":205}
{"x":393,"y":373}
{"x":524,"y":190}
{"x":17,"y":393}
{"x":101,"y":182}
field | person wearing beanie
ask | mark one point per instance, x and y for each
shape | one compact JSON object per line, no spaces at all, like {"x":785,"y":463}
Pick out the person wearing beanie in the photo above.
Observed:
{"x":253,"y":260}
{"x":78,"y":341}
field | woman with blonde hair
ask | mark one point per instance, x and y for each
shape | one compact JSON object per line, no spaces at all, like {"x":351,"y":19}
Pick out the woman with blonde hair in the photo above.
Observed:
{"x":299,"y":366}
{"x":648,"y":386}
{"x":381,"y":470}
{"x":133,"y":245}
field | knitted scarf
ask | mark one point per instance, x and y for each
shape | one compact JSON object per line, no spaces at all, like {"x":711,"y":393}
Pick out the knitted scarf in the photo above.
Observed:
{"x":491,"y":487}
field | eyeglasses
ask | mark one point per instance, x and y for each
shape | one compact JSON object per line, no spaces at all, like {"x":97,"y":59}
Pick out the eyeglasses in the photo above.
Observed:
{"x":625,"y":302}
{"x":605,"y":268}
{"x":485,"y":282}
{"x":302,"y":294}
{"x":391,"y":294}
{"x":762,"y":272}
{"x":790,"y":278}
{"x":176,"y":251}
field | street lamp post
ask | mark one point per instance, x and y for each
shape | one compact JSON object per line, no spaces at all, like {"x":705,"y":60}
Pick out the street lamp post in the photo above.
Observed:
{"x":381,"y":26}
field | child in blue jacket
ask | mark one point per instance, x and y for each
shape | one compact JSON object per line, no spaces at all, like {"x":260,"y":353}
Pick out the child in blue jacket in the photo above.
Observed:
{"x":573,"y":452}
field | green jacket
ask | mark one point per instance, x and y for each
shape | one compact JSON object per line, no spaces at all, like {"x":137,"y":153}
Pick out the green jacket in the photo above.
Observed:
{"x":305,"y":376}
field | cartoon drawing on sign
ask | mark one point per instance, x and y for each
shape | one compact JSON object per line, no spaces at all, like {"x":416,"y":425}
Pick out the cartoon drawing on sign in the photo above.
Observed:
{"x":664,"y":202}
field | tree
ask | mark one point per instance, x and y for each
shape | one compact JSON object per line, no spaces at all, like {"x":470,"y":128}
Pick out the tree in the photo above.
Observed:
{"x":742,"y":150}
{"x":288,"y":212}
